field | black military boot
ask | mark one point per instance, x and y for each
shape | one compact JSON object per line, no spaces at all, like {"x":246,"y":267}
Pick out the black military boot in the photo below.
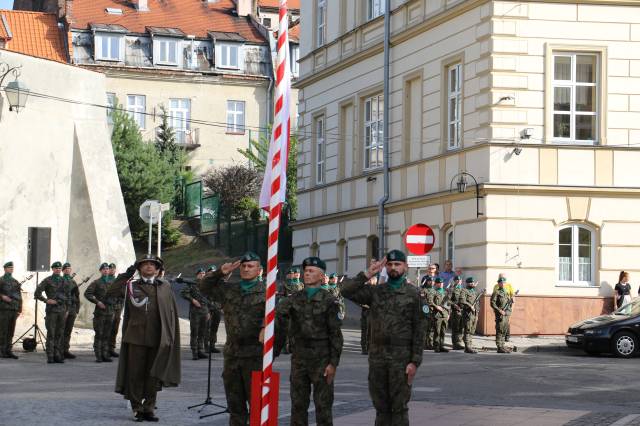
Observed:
{"x":443,"y":349}
{"x":195,"y":356}
{"x":150,"y":417}
{"x":503,"y":350}
{"x":214,"y":350}
{"x":50,"y":360}
{"x":113,"y":353}
{"x":69,"y":355}
{"x":201,"y":355}
{"x":106,"y":359}
{"x":11,"y":355}
{"x":470,"y":351}
{"x":58,"y":359}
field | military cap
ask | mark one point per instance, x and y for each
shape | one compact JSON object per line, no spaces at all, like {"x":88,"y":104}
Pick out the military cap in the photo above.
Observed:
{"x":457,"y":277}
{"x":150,"y":258}
{"x":396,"y":256}
{"x":103,"y":266}
{"x":56,"y":265}
{"x":438,"y":280}
{"x":502,"y":280}
{"x":249,"y":257}
{"x":112,"y":265}
{"x":200,"y":270}
{"x":8,"y":264}
{"x":469,"y":280}
{"x":211,"y":268}
{"x":314,"y":261}
{"x":295,"y":270}
{"x":66,"y":265}
{"x":333,"y":275}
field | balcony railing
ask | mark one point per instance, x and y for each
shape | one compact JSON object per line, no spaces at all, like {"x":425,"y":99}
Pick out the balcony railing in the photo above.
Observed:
{"x":187,"y":138}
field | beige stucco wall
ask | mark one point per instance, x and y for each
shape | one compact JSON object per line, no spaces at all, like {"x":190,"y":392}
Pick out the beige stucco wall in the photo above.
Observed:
{"x":57,"y":170}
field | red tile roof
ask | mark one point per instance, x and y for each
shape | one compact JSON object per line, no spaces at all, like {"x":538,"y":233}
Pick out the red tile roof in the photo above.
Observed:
{"x":292,"y":4}
{"x":34,"y":34}
{"x":194,"y":17}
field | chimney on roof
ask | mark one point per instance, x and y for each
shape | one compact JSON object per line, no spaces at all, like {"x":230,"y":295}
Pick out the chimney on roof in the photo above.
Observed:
{"x":64,"y":9}
{"x":246,"y":7}
{"x":142,"y":6}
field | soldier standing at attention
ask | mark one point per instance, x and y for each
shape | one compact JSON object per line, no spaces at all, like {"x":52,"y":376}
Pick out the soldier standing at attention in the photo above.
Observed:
{"x":150,"y":349}
{"x":456,"y":313}
{"x":198,"y":315}
{"x":397,"y":336}
{"x":440,"y":315}
{"x":468,"y":299}
{"x":311,"y":317}
{"x":290,"y":286}
{"x":500,"y":303}
{"x":334,"y":289}
{"x":10,"y":310}
{"x":512,"y":294}
{"x":73,"y":307}
{"x":427,"y":294}
{"x":96,"y":293}
{"x":243,"y":305}
{"x":118,"y":302}
{"x":215,"y":313}
{"x":55,"y":313}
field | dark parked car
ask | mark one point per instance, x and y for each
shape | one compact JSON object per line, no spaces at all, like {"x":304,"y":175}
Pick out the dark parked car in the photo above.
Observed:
{"x":618,"y":333}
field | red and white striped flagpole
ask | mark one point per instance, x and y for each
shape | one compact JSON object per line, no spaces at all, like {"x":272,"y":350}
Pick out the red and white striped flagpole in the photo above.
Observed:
{"x":277,"y":161}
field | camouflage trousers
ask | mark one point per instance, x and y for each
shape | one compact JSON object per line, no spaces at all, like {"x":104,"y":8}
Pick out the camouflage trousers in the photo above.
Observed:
{"x":115,"y":326}
{"x":102,"y":327}
{"x":214,"y":324}
{"x":54,"y":323}
{"x":364,"y":330}
{"x":305,"y":374}
{"x":469,"y":322}
{"x":429,"y":331}
{"x":390,"y":392}
{"x":68,"y":329}
{"x":236,"y":376}
{"x":439,"y":331}
{"x":7,"y":329}
{"x":502,"y":325}
{"x":199,"y":330}
{"x":456,"y":328}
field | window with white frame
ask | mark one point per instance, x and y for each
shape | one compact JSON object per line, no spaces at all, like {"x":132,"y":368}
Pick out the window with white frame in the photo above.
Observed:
{"x":373,"y":131}
{"x":229,"y":56}
{"x":321,"y":22}
{"x":136,"y":107}
{"x":180,"y":112}
{"x":167,"y":51}
{"x":454,"y":106}
{"x":111,"y":104}
{"x":295,"y":56}
{"x":375,"y":8}
{"x":109,"y":47}
{"x":576,"y":247}
{"x":321,"y":151}
{"x":575,"y":97}
{"x":450,"y":245}
{"x":235,"y":116}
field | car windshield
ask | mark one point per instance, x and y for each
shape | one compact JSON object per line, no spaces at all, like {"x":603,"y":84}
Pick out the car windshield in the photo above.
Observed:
{"x":632,"y":308}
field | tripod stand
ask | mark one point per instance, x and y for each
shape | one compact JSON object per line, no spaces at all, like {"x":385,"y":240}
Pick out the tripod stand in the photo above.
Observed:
{"x":38,"y":335}
{"x":207,"y":401}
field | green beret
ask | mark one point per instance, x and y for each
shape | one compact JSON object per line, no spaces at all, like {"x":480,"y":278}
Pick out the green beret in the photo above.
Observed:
{"x":112,"y":265}
{"x":457,"y":277}
{"x":103,"y":266}
{"x":396,"y":256}
{"x":502,"y":279}
{"x":66,"y":265}
{"x":333,"y":275}
{"x":439,"y":280}
{"x":212,"y":268}
{"x":56,"y":265}
{"x":200,"y":270}
{"x":8,"y":264}
{"x":314,"y":261}
{"x":469,"y":280}
{"x":249,"y":257}
{"x":295,"y":270}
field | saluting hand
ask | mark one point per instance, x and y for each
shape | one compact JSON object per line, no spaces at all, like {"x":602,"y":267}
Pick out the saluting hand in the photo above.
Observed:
{"x":228,"y":268}
{"x":330,"y":373}
{"x":376,"y":267}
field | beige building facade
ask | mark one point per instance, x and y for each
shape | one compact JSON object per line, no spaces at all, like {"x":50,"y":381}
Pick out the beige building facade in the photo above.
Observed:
{"x":539,"y":101}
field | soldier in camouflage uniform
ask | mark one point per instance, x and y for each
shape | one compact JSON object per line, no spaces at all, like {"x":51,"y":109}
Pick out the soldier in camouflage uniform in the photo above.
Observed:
{"x":10,"y":309}
{"x":311,"y":317}
{"x":397,"y":336}
{"x":103,"y":314}
{"x":290,"y":286}
{"x":427,"y":292}
{"x":364,"y":319}
{"x":73,"y":307}
{"x":118,"y":303}
{"x":198,"y":315}
{"x":243,"y":306}
{"x":55,"y":313}
{"x":440,"y":309}
{"x":215,"y":313}
{"x":455,"y":292}
{"x":501,"y":305}
{"x":469,"y":314}
{"x":334,"y":288}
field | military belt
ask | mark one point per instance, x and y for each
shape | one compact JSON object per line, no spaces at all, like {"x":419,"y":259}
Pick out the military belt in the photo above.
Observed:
{"x":311,"y":342}
{"x":392,"y":341}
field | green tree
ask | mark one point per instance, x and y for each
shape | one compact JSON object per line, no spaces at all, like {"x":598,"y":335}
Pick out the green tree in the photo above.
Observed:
{"x":237,"y":186}
{"x":257,"y":154}
{"x":144,"y":173}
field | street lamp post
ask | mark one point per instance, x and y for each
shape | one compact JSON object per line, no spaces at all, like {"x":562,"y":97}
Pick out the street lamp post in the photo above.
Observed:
{"x":16,"y":91}
{"x":461,"y":185}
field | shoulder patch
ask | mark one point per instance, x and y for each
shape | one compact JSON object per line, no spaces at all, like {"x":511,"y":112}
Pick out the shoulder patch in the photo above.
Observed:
{"x":425,"y":309}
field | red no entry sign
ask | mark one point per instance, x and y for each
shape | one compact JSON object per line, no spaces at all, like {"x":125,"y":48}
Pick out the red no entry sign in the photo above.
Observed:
{"x":419,"y":239}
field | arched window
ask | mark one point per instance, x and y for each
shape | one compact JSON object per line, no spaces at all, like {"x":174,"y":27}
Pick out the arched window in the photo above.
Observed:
{"x":576,"y":248}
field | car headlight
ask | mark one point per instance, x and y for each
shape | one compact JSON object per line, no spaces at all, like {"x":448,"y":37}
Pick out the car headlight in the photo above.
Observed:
{"x":594,"y":332}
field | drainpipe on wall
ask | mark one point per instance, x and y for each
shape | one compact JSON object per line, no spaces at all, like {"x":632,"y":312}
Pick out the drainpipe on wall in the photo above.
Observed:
{"x":385,"y":131}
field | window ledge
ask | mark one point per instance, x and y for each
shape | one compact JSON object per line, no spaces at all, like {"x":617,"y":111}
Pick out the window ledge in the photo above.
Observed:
{"x":234,"y":133}
{"x":577,"y":285}
{"x":109,"y":59}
